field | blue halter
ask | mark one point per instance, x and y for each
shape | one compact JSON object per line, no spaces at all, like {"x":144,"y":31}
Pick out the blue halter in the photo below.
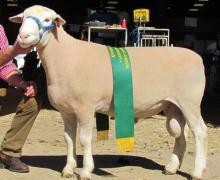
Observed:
{"x":42,"y":29}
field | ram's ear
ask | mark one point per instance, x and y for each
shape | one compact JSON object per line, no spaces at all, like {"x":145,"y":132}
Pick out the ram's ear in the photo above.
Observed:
{"x":17,"y":19}
{"x":59,"y":21}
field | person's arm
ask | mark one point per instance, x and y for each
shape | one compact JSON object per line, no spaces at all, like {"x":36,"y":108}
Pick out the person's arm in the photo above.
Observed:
{"x":11,"y":75}
{"x":7,"y":55}
{"x":14,"y":78}
{"x":10,"y":53}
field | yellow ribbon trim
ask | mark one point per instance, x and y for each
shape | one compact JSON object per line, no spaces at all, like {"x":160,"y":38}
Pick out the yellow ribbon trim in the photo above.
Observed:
{"x":125,"y":144}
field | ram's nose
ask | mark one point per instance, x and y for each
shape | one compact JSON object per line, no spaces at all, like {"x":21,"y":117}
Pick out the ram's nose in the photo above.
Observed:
{"x":23,"y":36}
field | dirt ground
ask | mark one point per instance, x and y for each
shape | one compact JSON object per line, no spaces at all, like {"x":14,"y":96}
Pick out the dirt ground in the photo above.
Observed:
{"x":45,"y":151}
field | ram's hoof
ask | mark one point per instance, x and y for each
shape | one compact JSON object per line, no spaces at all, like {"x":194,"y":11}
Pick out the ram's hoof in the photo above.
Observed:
{"x":167,"y":172}
{"x":170,"y":169}
{"x":67,"y":175}
{"x":195,"y":178}
{"x":84,"y":178}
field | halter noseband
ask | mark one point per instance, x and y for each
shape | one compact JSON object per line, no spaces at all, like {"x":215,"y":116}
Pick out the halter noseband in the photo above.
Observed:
{"x":42,"y":29}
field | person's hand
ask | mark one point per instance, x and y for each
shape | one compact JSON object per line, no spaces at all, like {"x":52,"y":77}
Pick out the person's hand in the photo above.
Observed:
{"x":31,"y":89}
{"x":19,"y":50}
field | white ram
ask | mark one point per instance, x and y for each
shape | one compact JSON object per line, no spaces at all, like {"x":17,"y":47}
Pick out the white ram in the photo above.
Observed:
{"x":80,"y":83}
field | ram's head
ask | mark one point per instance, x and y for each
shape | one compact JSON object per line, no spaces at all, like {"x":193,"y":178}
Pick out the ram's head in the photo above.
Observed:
{"x":37,"y":23}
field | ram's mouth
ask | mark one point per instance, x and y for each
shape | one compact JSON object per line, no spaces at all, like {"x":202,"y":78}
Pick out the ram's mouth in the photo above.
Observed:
{"x":27,"y":42}
{"x":23,"y":45}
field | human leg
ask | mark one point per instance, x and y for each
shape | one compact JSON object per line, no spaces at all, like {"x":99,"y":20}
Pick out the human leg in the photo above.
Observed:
{"x":26,"y":112}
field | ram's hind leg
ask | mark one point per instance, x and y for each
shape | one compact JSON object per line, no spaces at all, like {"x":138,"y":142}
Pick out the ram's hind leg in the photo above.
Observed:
{"x":70,"y":128}
{"x":175,"y":125}
{"x":196,"y":124}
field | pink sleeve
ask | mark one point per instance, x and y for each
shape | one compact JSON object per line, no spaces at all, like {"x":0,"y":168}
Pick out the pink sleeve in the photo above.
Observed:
{"x":10,"y":66}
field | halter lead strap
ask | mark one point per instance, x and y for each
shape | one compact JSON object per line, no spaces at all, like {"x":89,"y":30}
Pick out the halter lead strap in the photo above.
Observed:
{"x":42,"y":29}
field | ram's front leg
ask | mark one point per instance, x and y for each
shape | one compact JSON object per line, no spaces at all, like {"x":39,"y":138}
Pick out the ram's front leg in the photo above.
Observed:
{"x":70,"y":126}
{"x":86,"y":120}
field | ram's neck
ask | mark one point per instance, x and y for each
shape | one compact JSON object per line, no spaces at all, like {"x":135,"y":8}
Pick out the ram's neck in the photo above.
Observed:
{"x":56,"y":55}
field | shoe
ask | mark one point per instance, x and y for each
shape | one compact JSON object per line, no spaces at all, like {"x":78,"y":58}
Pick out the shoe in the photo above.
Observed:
{"x":13,"y":164}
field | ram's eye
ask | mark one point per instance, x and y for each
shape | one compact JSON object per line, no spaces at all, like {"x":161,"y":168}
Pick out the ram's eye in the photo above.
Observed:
{"x":47,"y":20}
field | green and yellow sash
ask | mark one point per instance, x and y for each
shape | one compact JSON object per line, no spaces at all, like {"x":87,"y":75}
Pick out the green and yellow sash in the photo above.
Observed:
{"x":123,"y":98}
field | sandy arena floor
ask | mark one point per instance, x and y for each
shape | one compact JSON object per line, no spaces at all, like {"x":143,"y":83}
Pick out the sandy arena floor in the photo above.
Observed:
{"x":45,"y":151}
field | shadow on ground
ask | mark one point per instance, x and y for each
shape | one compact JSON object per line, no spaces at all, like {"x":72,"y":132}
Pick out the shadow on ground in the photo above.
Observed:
{"x":57,"y":163}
